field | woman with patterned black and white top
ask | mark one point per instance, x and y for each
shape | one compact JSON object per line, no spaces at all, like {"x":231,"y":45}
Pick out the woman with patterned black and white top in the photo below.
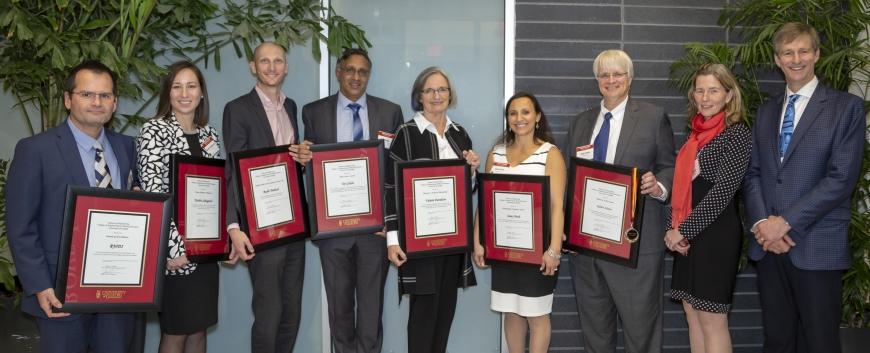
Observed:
{"x":525,"y":295}
{"x":181,"y":127}
{"x":432,"y":282}
{"x":704,"y":227}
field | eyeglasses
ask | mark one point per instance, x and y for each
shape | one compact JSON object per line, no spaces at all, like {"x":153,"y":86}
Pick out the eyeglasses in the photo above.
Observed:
{"x":349,"y":71}
{"x":440,"y":90}
{"x":88,"y":95}
{"x":615,"y":75}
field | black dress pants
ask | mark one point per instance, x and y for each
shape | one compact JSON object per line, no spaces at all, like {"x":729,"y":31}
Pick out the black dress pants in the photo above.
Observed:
{"x":431,"y":315}
{"x":800,"y":309}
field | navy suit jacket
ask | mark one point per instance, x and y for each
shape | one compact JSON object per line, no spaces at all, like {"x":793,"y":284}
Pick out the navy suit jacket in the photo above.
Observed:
{"x":812,"y":186}
{"x":42,"y":168}
{"x":246,"y":127}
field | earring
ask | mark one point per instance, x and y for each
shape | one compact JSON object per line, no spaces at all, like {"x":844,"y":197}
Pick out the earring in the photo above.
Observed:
{"x":536,"y":125}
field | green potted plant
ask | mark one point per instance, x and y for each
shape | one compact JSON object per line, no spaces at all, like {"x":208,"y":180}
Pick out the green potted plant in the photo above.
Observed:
{"x":844,"y":64}
{"x":41,"y":39}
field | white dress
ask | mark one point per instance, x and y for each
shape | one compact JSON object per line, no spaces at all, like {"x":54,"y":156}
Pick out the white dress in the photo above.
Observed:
{"x":515,"y":289}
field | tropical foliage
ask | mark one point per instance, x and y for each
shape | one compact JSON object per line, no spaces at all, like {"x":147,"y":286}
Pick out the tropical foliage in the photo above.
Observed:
{"x":40,"y":40}
{"x":844,"y":64}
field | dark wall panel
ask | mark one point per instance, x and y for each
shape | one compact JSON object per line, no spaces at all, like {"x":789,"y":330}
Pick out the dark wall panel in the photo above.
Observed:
{"x":556,"y":42}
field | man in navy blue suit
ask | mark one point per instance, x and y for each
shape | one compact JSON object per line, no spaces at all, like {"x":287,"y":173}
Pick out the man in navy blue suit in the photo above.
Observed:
{"x":79,"y":151}
{"x":807,"y":149}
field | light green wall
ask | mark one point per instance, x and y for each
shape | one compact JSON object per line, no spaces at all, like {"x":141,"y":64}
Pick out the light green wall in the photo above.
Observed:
{"x":463,"y":37}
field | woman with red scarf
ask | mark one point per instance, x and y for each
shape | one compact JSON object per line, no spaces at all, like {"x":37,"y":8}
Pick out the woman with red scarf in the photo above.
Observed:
{"x":705,"y":230}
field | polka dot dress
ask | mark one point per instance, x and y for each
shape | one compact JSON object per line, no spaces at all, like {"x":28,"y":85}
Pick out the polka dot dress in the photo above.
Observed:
{"x":705,"y":277}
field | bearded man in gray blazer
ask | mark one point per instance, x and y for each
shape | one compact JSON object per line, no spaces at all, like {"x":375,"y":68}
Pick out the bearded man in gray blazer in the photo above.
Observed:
{"x":627,"y":132}
{"x":354,"y":267}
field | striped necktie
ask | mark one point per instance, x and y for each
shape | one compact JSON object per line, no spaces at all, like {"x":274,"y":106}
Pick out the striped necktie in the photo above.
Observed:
{"x":101,"y":170}
{"x":787,"y":125}
{"x":357,"y":122}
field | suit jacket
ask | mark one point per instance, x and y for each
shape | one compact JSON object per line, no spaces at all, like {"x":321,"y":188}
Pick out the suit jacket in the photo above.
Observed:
{"x":812,"y":186}
{"x":646,"y":141}
{"x":42,"y":168}
{"x":246,"y":127}
{"x":320,"y":117}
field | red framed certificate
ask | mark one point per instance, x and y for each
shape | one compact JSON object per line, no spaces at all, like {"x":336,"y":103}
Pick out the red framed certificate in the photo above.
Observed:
{"x":273,"y":211}
{"x":514,"y":215}
{"x":434,"y":207}
{"x":346,"y":187}
{"x":113,"y":250}
{"x":604,"y":211}
{"x":199,"y":187}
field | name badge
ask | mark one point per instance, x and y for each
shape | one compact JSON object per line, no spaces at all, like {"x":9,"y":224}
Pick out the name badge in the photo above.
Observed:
{"x":585,"y":152}
{"x":386,"y":137}
{"x":210,"y":146}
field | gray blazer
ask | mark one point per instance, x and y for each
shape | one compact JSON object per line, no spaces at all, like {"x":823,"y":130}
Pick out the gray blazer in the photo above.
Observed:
{"x":646,"y":141}
{"x":246,"y":127}
{"x":319,"y":118}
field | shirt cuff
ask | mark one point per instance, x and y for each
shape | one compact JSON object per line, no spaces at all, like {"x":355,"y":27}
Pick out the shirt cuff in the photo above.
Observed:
{"x":664,"y":195}
{"x":755,"y":225}
{"x":392,"y":238}
{"x":233,"y":226}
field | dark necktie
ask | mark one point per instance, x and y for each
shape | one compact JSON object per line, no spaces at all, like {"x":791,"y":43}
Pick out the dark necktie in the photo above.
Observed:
{"x":357,"y":122}
{"x":101,"y":170}
{"x":787,"y":125}
{"x":599,"y":152}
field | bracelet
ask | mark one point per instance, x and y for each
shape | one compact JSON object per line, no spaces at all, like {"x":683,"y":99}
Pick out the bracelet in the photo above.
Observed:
{"x":554,"y":254}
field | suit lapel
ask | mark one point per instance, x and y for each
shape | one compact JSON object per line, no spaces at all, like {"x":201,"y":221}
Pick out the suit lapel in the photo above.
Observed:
{"x":585,"y":134}
{"x":629,"y":122}
{"x":329,"y":118}
{"x":121,"y":155}
{"x":66,"y":145}
{"x":811,"y":112}
{"x":261,"y":122}
{"x":373,"y":118}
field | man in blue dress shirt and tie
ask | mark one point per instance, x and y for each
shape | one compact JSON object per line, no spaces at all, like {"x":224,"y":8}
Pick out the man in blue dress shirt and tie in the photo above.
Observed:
{"x":808,"y":145}
{"x":79,"y":151}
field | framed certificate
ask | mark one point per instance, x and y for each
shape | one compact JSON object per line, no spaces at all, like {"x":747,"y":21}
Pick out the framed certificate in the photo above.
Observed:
{"x":199,"y":187}
{"x":514,"y":213}
{"x":346,"y":187}
{"x":434,"y":207}
{"x":113,"y":250}
{"x":604,"y":211}
{"x":273,"y":211}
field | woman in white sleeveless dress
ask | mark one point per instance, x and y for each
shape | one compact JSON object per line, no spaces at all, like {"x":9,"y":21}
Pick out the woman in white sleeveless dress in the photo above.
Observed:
{"x":523,"y":294}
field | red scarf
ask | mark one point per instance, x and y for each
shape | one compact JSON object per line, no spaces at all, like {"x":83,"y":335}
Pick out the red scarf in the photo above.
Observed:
{"x":702,"y":132}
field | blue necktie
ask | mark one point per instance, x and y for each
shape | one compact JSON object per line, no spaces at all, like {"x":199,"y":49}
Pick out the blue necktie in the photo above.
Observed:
{"x":101,"y":170}
{"x":357,"y":122}
{"x":599,"y":152}
{"x":787,"y":125}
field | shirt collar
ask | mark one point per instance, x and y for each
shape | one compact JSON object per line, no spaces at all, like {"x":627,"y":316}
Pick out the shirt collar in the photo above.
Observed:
{"x":267,"y":101}
{"x":424,"y":124}
{"x":84,"y":141}
{"x":344,"y":101}
{"x":616,"y":112}
{"x":805,"y":91}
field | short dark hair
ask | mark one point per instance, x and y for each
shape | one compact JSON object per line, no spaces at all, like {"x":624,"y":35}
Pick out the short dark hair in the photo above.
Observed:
{"x":417,"y":88}
{"x":69,"y":84}
{"x":348,"y":52}
{"x":542,"y":128}
{"x":164,"y":106}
